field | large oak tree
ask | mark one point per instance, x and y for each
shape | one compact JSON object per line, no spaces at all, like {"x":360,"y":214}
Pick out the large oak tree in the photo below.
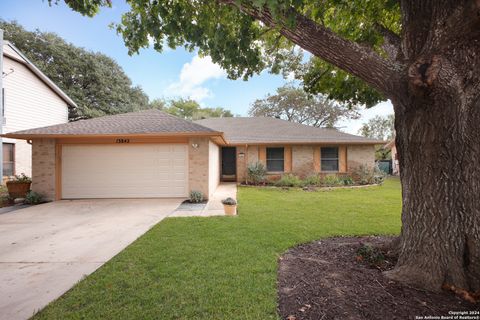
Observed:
{"x":422,"y":55}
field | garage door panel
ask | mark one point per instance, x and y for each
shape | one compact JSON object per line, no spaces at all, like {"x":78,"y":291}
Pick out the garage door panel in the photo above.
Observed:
{"x":124,"y":171}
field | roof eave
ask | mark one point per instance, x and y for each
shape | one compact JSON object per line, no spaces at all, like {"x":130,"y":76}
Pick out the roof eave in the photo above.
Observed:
{"x":234,"y":142}
{"x":30,"y":136}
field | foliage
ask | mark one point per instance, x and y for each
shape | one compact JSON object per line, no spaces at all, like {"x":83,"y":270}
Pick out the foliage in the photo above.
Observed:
{"x":33,"y":197}
{"x":381,"y":128}
{"x":289,"y":180}
{"x":382,"y":153}
{"x":332,"y":180}
{"x":22,"y":178}
{"x":368,"y":175}
{"x":347,"y":180}
{"x":256,"y":173}
{"x":229,"y":201}
{"x":313,"y":180}
{"x":191,"y":110}
{"x":244,"y":47}
{"x":294,"y":104}
{"x":196,"y":196}
{"x":227,"y":266}
{"x":96,"y":83}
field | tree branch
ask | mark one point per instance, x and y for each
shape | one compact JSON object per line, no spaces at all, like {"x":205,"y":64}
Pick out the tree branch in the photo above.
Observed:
{"x":382,"y":74}
{"x":391,"y":43}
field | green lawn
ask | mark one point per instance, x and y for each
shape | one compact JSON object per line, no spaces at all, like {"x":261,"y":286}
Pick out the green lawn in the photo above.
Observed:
{"x":224,"y":267}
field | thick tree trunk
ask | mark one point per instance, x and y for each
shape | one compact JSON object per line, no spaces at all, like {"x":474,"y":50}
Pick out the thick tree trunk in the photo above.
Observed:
{"x":438,"y":140}
{"x":433,"y":79}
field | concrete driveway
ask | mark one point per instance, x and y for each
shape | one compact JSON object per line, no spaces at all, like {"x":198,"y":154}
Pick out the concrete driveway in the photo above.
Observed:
{"x":46,"y":249}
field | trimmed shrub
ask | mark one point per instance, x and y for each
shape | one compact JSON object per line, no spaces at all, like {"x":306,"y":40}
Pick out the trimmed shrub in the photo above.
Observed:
{"x":196,"y":196}
{"x":256,"y":173}
{"x":289,"y":180}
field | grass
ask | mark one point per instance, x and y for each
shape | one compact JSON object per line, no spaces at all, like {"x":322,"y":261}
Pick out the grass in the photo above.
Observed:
{"x":224,"y":267}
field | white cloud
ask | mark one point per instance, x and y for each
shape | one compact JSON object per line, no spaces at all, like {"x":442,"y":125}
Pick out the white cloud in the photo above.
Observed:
{"x":193,"y":76}
{"x":352,"y":126}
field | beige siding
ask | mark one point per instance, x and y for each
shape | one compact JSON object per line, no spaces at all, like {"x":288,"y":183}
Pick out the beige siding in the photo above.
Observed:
{"x":360,"y":155}
{"x":43,"y":168}
{"x":29,"y":103}
{"x":213,"y":167}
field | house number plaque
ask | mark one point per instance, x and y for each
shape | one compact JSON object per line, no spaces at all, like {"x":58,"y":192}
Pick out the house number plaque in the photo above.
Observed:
{"x":122,"y":141}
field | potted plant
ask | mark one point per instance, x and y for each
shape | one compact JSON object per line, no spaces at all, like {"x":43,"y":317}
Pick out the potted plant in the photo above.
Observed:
{"x":19,"y":186}
{"x":230,"y":206}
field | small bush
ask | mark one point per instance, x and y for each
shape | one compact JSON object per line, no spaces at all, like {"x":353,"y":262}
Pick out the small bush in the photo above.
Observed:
{"x":256,"y":173}
{"x":332,"y":180}
{"x":348,"y":181}
{"x":369,"y":175}
{"x":196,"y":196}
{"x":229,"y":201}
{"x":370,"y":254}
{"x":33,"y":197}
{"x":289,"y":180}
{"x":313,"y":180}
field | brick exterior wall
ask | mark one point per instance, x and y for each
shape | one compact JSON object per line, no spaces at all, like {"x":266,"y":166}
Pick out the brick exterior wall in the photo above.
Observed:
{"x":360,"y":154}
{"x":241,"y":165}
{"x":43,"y":168}
{"x":198,"y":168}
{"x":302,"y":160}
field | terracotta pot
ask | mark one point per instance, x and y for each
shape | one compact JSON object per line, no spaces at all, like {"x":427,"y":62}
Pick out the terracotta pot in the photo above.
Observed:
{"x":230,"y":209}
{"x":17,"y":189}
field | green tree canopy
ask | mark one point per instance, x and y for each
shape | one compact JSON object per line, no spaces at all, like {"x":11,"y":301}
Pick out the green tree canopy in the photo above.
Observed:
{"x":244,"y":46}
{"x":93,"y":80}
{"x":294,"y":104}
{"x":379,"y":127}
{"x":191,"y":110}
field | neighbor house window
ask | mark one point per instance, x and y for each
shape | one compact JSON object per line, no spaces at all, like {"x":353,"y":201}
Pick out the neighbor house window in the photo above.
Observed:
{"x":329,"y":158}
{"x":8,"y":159}
{"x":275,"y":158}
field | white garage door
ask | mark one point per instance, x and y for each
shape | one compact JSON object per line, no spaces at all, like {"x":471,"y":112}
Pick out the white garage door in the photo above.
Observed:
{"x":124,"y":171}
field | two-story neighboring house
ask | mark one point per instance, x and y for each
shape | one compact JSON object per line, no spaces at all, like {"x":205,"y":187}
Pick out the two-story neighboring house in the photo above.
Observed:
{"x":30,"y":100}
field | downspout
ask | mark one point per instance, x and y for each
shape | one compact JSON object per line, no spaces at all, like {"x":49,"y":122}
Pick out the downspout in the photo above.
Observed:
{"x":1,"y":103}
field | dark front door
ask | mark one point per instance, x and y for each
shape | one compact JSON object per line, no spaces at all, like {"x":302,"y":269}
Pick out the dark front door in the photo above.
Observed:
{"x":229,"y":163}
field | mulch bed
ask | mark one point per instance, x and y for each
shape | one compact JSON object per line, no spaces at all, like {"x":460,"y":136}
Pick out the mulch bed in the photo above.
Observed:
{"x":327,"y":280}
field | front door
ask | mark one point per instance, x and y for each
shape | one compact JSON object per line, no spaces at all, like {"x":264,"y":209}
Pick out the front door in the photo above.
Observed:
{"x":229,"y":163}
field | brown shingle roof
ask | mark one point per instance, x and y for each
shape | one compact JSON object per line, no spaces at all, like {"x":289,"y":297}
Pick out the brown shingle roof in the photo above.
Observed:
{"x":149,"y":122}
{"x":251,"y":130}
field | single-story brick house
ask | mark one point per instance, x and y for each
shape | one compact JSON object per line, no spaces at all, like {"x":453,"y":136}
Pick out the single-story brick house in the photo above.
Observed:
{"x":151,"y":154}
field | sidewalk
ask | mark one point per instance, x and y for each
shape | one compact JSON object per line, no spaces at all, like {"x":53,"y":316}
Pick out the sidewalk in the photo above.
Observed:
{"x":214,"y":206}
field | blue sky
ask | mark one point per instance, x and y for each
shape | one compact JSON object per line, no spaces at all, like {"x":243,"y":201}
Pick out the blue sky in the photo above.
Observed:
{"x":170,"y":74}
